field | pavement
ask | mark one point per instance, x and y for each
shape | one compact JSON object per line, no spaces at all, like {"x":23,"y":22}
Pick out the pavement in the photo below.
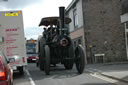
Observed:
{"x":118,"y":70}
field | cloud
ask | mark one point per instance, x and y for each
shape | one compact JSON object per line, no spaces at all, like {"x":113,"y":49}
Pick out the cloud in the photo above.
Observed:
{"x":15,"y":4}
{"x":32,"y":16}
{"x":3,"y":5}
{"x":33,"y":12}
{"x":33,"y":32}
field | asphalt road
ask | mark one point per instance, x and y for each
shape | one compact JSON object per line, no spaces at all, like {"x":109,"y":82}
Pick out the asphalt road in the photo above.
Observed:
{"x":58,"y":76}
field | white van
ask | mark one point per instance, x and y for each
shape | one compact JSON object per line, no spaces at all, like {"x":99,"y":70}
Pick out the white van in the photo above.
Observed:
{"x":12,"y":40}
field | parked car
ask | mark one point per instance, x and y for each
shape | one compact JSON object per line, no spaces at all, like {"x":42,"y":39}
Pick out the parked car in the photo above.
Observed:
{"x":31,"y":57}
{"x":6,"y":72}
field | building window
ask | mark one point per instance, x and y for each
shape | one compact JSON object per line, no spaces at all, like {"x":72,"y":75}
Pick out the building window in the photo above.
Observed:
{"x":127,"y":39}
{"x":75,"y":16}
{"x":126,"y":25}
{"x":79,"y":41}
{"x":74,"y":43}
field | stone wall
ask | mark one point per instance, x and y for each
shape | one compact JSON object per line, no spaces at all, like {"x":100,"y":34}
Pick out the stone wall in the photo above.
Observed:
{"x":103,"y":29}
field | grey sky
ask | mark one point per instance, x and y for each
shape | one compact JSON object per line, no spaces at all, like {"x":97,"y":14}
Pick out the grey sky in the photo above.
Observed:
{"x":21,"y":3}
{"x":33,"y":12}
{"x":16,"y":4}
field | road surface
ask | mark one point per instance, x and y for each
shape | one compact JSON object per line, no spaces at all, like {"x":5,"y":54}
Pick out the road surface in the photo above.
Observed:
{"x":60,"y":76}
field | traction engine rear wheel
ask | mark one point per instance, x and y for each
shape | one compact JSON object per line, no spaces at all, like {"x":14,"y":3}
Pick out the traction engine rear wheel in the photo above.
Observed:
{"x":47,"y":60}
{"x":41,"y":65}
{"x":41,"y":54}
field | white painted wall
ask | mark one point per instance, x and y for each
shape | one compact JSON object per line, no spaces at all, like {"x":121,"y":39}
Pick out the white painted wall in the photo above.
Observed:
{"x":71,"y":25}
{"x":79,"y":13}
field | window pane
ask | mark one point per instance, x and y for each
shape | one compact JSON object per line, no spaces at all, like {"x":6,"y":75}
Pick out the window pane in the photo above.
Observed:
{"x":79,"y":41}
{"x":75,"y":18}
{"x":126,"y":25}
{"x":74,"y":43}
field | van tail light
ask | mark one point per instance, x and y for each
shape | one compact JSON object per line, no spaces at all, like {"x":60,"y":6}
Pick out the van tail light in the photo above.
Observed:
{"x":2,"y":73}
{"x":23,"y":59}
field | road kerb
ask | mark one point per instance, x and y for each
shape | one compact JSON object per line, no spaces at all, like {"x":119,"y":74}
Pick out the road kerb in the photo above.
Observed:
{"x":116,"y":63}
{"x":112,"y":77}
{"x":108,"y":76}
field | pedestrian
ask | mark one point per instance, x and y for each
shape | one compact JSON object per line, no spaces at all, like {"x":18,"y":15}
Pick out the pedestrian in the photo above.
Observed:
{"x":45,"y":33}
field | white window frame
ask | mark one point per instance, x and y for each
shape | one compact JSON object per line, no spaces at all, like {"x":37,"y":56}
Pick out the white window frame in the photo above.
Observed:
{"x":75,"y":17}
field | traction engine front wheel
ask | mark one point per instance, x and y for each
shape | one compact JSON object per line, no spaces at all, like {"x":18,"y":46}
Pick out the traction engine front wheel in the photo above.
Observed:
{"x":80,"y":59}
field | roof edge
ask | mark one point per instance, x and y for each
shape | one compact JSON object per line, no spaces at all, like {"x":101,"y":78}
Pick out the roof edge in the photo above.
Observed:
{"x":70,"y":5}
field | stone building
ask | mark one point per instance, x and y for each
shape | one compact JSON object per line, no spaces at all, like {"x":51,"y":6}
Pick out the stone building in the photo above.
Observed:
{"x":103,"y":29}
{"x":104,"y":35}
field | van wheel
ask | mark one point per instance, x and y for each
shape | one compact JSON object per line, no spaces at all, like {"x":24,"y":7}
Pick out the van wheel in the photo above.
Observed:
{"x":12,"y":84}
{"x":21,"y":70}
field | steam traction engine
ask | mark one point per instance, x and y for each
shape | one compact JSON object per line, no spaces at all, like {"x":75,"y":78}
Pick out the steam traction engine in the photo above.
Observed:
{"x":59,"y":49}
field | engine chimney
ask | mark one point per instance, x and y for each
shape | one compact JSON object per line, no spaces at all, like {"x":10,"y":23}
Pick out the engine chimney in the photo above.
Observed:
{"x":62,"y":18}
